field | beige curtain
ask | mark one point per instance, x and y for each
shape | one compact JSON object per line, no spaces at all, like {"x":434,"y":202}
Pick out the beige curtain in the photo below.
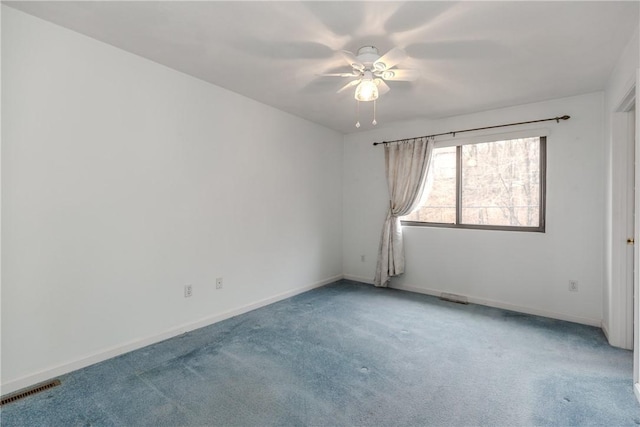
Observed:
{"x":406,"y":163}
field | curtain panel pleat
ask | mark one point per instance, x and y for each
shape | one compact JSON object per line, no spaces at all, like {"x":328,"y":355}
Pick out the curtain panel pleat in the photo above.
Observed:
{"x":407,"y":164}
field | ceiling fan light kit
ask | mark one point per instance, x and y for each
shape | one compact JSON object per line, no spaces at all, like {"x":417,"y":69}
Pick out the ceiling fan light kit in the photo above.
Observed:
{"x":371,"y":70}
{"x":367,"y":90}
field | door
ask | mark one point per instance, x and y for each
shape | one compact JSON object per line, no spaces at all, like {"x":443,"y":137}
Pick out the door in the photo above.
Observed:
{"x":634,"y":252}
{"x":631,"y":264}
{"x":635,"y":122}
{"x":636,"y":260}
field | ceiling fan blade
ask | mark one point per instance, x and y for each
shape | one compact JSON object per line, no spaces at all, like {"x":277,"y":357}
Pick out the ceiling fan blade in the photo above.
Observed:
{"x":400,"y":75}
{"x":348,"y":85}
{"x":458,"y":49}
{"x":338,"y":75}
{"x":382,"y":86}
{"x":352,"y":60}
{"x":389,"y":59}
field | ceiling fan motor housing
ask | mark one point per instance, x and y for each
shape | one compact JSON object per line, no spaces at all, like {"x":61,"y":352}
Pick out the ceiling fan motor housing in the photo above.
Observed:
{"x":367,"y":55}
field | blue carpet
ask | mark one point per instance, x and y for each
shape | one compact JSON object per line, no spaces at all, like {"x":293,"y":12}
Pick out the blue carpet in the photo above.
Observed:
{"x":354,"y":355}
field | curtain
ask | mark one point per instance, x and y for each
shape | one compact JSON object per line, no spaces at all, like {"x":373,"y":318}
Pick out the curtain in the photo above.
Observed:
{"x":407,"y":163}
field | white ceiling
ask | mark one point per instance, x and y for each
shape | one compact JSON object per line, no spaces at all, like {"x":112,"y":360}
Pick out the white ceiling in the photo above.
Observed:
{"x":472,"y":56}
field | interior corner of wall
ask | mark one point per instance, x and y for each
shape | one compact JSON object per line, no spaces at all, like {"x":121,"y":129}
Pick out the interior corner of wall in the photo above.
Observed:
{"x":605,"y":328}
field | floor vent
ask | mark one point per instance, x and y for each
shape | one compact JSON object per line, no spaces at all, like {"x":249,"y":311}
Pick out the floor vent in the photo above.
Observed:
{"x":29,"y":391}
{"x":459,"y":299}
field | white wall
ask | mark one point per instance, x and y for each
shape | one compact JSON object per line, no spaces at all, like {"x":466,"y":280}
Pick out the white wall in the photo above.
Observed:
{"x":621,"y":81}
{"x":123,"y":180}
{"x":524,"y":271}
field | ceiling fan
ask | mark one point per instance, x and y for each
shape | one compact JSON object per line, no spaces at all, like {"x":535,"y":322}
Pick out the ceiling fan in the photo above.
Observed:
{"x":371,"y":70}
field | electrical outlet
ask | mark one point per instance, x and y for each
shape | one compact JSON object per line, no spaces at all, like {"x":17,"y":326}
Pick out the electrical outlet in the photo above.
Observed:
{"x":188,"y":291}
{"x":219,"y":283}
{"x":573,"y":286}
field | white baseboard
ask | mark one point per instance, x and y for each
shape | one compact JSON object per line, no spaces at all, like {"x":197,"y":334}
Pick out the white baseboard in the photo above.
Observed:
{"x":358,"y":279}
{"x":636,"y":391}
{"x":108,"y":353}
{"x":506,"y":306}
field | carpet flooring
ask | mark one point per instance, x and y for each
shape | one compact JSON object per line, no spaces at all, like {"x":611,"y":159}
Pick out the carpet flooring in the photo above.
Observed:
{"x":349,"y":354}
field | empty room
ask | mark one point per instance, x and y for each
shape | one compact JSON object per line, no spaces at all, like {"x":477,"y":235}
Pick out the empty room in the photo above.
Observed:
{"x":236,"y":213}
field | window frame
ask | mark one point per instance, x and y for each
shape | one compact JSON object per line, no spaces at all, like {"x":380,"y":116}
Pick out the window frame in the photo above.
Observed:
{"x":541,"y":228}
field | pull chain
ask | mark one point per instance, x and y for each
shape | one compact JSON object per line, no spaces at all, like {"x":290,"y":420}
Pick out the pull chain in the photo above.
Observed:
{"x":374,"y":122}
{"x":358,"y":114}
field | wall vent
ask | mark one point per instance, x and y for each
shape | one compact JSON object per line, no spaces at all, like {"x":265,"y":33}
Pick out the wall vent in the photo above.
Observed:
{"x":459,"y":299}
{"x":21,"y":394}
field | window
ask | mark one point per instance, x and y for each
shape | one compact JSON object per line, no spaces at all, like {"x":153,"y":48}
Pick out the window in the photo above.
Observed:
{"x":497,"y":185}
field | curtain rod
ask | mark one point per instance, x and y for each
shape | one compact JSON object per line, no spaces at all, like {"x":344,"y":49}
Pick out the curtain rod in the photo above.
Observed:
{"x":453,"y":133}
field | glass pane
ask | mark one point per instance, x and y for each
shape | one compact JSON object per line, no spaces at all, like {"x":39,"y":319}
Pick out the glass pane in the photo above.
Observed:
{"x":439,"y":198}
{"x":501,"y":183}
